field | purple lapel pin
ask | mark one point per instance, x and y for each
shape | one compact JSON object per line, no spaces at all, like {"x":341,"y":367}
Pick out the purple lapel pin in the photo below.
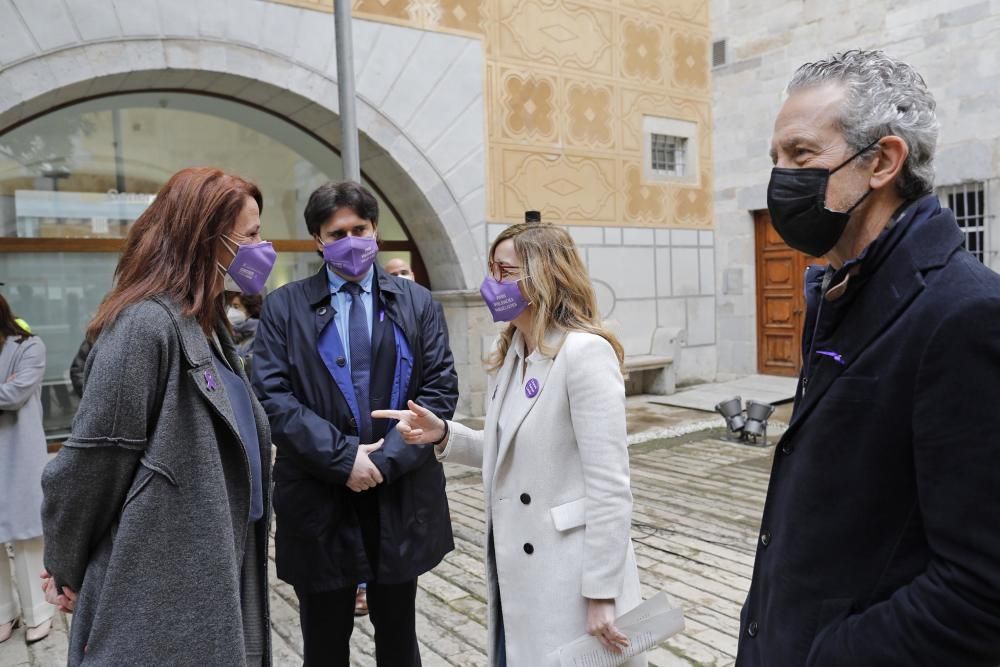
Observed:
{"x":833,"y":355}
{"x":531,"y":388}
{"x":210,"y":381}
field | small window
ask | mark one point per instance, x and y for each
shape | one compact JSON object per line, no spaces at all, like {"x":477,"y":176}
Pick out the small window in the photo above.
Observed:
{"x":968,"y":203}
{"x":670,"y":150}
{"x":719,"y":53}
{"x":667,"y":154}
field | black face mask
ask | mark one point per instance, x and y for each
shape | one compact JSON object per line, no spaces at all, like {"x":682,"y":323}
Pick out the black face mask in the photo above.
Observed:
{"x":796,"y":199}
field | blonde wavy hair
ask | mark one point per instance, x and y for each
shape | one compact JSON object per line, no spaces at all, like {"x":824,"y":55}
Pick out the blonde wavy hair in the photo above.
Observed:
{"x":556,"y":283}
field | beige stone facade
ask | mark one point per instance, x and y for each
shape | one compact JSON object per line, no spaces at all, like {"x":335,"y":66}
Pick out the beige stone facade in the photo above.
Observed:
{"x":570,"y":89}
{"x":567,"y":85}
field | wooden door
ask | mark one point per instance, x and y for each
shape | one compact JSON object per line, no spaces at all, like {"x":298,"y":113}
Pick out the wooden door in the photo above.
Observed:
{"x":780,"y":301}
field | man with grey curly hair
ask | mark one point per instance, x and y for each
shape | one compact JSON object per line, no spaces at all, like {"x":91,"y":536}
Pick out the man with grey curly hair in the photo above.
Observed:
{"x":879,"y":543}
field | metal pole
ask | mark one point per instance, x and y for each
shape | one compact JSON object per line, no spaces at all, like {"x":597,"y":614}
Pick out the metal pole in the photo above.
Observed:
{"x":116,"y":133}
{"x":349,"y":152}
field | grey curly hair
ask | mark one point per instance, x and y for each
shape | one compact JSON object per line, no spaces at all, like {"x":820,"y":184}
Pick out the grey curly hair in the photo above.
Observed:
{"x":884,"y":97}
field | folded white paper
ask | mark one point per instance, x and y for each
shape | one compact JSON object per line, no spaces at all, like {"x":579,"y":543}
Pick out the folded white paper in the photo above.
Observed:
{"x":647,"y":625}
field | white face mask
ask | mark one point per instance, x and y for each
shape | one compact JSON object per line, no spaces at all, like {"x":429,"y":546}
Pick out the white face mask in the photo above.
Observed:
{"x":236,"y":316}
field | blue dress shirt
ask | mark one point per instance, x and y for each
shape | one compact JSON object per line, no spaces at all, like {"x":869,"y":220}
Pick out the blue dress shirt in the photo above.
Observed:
{"x":341,"y":302}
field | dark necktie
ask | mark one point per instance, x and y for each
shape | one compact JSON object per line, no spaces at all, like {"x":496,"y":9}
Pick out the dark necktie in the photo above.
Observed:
{"x":361,"y":359}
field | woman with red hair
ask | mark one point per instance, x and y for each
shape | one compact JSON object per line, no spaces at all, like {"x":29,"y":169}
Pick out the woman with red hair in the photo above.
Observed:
{"x":155,"y":510}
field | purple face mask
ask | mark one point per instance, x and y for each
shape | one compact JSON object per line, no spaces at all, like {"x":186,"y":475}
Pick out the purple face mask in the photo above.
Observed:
{"x":251,"y":265}
{"x":351,"y":256}
{"x":504,"y":300}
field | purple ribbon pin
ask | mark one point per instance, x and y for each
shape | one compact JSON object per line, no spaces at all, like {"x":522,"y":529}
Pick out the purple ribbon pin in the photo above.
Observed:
{"x":833,"y":355}
{"x":210,"y":381}
{"x":531,"y":388}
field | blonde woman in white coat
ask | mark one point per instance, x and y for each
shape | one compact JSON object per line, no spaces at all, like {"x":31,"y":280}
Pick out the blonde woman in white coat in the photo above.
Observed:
{"x":553,"y":454}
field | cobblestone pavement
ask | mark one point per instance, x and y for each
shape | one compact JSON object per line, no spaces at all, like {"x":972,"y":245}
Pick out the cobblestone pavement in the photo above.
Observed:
{"x":697,"y":510}
{"x":698,"y":501}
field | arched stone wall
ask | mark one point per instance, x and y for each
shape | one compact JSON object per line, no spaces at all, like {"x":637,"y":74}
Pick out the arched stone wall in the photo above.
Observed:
{"x":420,"y":94}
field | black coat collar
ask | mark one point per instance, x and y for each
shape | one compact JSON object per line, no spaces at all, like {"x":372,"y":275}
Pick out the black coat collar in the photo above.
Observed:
{"x":930,"y":237}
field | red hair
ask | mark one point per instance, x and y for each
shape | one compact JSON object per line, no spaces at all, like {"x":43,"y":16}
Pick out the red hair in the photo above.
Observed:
{"x":171,"y":249}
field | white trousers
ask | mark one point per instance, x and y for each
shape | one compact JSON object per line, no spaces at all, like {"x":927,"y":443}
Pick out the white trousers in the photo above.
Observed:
{"x":28,"y":566}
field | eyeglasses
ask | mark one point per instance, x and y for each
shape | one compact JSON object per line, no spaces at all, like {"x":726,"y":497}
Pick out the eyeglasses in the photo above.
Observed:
{"x":501,"y":272}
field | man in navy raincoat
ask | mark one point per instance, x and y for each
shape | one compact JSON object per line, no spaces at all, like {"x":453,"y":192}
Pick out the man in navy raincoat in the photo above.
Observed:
{"x":353,"y":503}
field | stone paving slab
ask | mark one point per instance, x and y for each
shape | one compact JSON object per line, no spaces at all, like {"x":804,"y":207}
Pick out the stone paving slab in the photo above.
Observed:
{"x":698,"y":500}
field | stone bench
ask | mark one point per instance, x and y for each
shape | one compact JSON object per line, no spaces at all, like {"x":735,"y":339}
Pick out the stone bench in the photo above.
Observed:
{"x":654,"y":373}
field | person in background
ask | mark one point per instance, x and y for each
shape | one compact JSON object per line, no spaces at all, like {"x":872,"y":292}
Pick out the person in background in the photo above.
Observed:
{"x":400,"y":268}
{"x":23,"y":456}
{"x":354,"y":502}
{"x":76,"y":368}
{"x":554,"y":456}
{"x":156,"y":508}
{"x":243,"y":313}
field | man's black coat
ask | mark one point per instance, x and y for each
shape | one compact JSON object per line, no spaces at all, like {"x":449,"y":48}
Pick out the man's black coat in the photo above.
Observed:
{"x":324,"y":538}
{"x":880,"y":539}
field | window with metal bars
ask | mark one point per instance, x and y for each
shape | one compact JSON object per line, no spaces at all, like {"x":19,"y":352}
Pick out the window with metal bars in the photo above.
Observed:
{"x":719,"y":53}
{"x":667,"y":154}
{"x":969,"y":204}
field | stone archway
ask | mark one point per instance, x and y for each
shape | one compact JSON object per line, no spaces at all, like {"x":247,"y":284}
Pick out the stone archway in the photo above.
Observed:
{"x":434,"y":170}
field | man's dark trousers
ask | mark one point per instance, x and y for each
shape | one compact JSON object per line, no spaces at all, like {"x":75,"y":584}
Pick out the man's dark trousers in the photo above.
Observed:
{"x":328,"y":618}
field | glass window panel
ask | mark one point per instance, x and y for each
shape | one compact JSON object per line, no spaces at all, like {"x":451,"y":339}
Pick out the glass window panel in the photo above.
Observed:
{"x":667,"y":154}
{"x":57,"y":294}
{"x":389,"y":227}
{"x":972,"y":242}
{"x":88,"y":170}
{"x":957,"y":202}
{"x":292,"y":266}
{"x":968,"y":203}
{"x":65,"y":175}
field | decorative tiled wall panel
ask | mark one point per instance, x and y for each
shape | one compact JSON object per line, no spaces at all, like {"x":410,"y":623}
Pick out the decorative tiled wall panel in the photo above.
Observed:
{"x":568,"y":83}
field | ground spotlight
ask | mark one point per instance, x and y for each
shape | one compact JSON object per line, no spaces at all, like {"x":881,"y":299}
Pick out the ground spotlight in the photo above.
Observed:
{"x":745,"y":425}
{"x":732,"y":412}
{"x":756,"y":421}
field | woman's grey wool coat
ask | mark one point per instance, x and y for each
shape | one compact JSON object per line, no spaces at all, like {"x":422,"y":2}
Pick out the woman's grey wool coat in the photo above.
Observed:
{"x":147,"y":505}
